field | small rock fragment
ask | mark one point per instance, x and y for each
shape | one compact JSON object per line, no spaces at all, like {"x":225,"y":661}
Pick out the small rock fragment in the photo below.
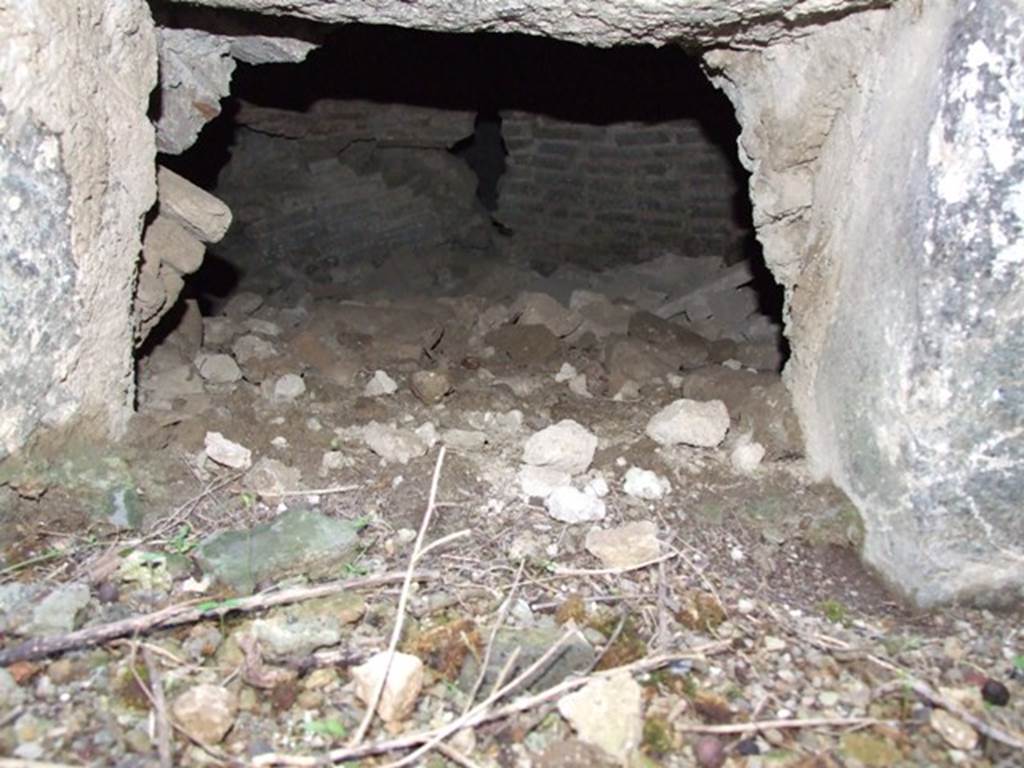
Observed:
{"x":272,"y":478}
{"x":955,"y":731}
{"x":251,"y":347}
{"x":747,"y":456}
{"x":380,"y":384}
{"x":568,"y":505}
{"x":219,"y":369}
{"x":566,"y":446}
{"x":206,"y":712}
{"x":226,"y":452}
{"x":404,"y":682}
{"x":541,"y":309}
{"x":690,"y":422}
{"x":57,"y":612}
{"x":645,"y":484}
{"x":541,"y":481}
{"x":710,"y":752}
{"x":430,"y":386}
{"x":242,"y":304}
{"x":606,"y":712}
{"x":393,"y":443}
{"x":289,"y":387}
{"x":566,"y":373}
{"x":464,"y":439}
{"x":625,"y":546}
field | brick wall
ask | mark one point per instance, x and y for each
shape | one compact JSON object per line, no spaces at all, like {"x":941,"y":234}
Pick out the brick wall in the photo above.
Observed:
{"x":596,"y":193}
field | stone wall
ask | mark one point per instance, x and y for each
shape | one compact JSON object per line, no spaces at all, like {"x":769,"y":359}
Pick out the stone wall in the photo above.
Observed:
{"x":76,"y":178}
{"x":887,"y":195}
{"x":601,"y":193}
{"x":348,"y":182}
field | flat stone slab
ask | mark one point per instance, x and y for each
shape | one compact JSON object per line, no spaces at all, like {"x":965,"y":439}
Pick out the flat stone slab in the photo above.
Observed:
{"x":299,"y":541}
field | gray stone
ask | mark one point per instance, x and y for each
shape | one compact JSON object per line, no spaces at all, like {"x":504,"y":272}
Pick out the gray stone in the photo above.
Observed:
{"x":219,"y":369}
{"x":430,"y":386}
{"x":392,"y":443}
{"x":289,"y":387}
{"x":195,"y":209}
{"x":626,"y":546}
{"x":206,"y":712}
{"x":690,"y":422}
{"x":58,"y":611}
{"x":297,"y":631}
{"x":11,"y":694}
{"x":567,"y":446}
{"x":271,"y":478}
{"x":380,"y":384}
{"x":542,"y":309}
{"x":226,"y":452}
{"x":541,"y":481}
{"x":249,"y":347}
{"x":299,"y":541}
{"x":532,"y":642}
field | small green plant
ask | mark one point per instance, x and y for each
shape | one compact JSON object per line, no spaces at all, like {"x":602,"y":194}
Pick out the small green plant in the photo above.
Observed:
{"x":248,"y":499}
{"x":218,"y":605}
{"x":331,"y":728}
{"x":356,"y":569}
{"x":183,"y":541}
{"x":1018,"y":663}
{"x":834,"y":611}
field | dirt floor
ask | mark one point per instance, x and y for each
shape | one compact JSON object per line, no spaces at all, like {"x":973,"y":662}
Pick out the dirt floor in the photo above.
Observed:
{"x":218,"y":589}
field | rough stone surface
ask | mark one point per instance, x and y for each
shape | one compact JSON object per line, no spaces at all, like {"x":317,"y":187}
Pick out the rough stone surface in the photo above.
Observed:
{"x":567,"y":446}
{"x":380,"y":384}
{"x":626,"y":546}
{"x":690,"y":422}
{"x":202,"y":214}
{"x":219,"y":369}
{"x":206,"y":712}
{"x":606,"y":22}
{"x":568,"y":505}
{"x":297,"y":541}
{"x":608,"y":713}
{"x":76,"y":178}
{"x":56,"y":613}
{"x":906,"y":328}
{"x":299,"y":630}
{"x":226,"y":452}
{"x":393,"y":443}
{"x":645,"y":484}
{"x":402,"y":689}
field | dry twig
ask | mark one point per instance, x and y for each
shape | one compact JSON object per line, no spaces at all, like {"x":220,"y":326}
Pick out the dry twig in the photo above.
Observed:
{"x":163,"y":726}
{"x":186,"y":613}
{"x":764,"y":725}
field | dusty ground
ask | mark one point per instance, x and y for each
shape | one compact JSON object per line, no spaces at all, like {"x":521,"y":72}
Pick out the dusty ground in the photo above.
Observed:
{"x":755,"y":635}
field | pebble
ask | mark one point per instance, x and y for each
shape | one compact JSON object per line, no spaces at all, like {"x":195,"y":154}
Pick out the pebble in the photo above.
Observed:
{"x":541,"y":481}
{"x":219,"y":369}
{"x":430,"y":386}
{"x":289,"y":387}
{"x":225,"y":452}
{"x":995,"y":693}
{"x":251,"y":347}
{"x":710,"y":752}
{"x":206,"y":712}
{"x":645,"y":484}
{"x":402,"y":689}
{"x":747,"y":456}
{"x":380,"y":384}
{"x":690,"y":422}
{"x":58,"y":611}
{"x":625,"y":546}
{"x":607,"y":713}
{"x":774,"y":644}
{"x":569,"y":505}
{"x":393,"y":443}
{"x":567,"y":446}
{"x":955,"y":731}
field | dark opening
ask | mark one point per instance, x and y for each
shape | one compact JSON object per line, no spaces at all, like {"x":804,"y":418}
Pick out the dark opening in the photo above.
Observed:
{"x":340,"y":174}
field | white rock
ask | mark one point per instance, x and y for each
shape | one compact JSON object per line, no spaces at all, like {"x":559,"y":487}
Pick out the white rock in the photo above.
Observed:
{"x":690,"y":422}
{"x":567,"y":446}
{"x":403,"y":686}
{"x":597,"y":485}
{"x":280,"y":442}
{"x":565,"y":373}
{"x":464,"y":439}
{"x":427,"y":432}
{"x":625,"y":546}
{"x":289,"y":387}
{"x":541,"y":481}
{"x":392,"y":443}
{"x":578,"y":386}
{"x":747,"y":455}
{"x":219,"y":369}
{"x":571,"y":506}
{"x":226,"y":452}
{"x":250,"y":347}
{"x":541,"y":309}
{"x":608,"y":713}
{"x":380,"y":384}
{"x":732,"y":365}
{"x":206,"y":712}
{"x":266,"y":327}
{"x":628,"y":392}
{"x":645,"y":484}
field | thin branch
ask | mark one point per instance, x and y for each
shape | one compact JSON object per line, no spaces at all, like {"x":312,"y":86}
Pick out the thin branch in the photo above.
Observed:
{"x":187,"y":613}
{"x":614,"y":571}
{"x":764,"y":725}
{"x":498,"y":623}
{"x":163,"y":727}
{"x":403,"y":600}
